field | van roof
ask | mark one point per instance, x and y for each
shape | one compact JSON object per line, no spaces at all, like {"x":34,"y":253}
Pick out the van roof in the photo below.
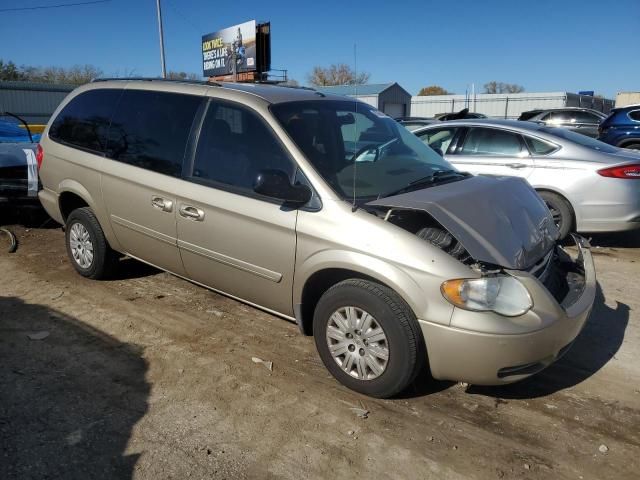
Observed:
{"x":269,"y":92}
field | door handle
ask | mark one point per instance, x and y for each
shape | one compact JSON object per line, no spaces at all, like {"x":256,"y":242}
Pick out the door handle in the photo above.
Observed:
{"x":516,"y":165}
{"x":162,"y":204}
{"x":192,"y":213}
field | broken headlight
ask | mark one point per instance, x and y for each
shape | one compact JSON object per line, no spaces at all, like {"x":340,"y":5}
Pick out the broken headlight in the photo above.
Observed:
{"x":501,"y":294}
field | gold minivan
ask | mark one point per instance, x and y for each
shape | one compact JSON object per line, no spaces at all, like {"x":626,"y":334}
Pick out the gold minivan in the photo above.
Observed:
{"x":324,"y":211}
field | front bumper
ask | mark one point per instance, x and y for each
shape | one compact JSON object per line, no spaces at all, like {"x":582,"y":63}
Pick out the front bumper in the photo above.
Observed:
{"x":536,"y":339}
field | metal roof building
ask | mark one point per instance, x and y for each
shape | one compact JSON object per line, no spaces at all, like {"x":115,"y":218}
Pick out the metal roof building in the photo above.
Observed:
{"x":389,"y":98}
{"x":35,"y":102}
{"x":505,"y":105}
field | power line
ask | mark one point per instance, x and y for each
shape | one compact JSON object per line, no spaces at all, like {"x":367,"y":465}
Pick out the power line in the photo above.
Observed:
{"x":183,"y":16}
{"x":60,"y":5}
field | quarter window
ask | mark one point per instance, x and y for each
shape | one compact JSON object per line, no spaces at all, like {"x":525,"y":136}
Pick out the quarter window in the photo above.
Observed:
{"x":490,"y":141}
{"x":235,"y":145}
{"x":539,"y":147}
{"x":634,"y":115}
{"x":150,"y":130}
{"x":84,"y":121}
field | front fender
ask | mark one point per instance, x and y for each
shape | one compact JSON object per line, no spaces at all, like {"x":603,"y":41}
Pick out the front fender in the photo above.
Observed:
{"x":420,"y":290}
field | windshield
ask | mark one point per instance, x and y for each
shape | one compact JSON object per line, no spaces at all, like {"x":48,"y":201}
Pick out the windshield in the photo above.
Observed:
{"x":344,"y":139}
{"x":580,"y":139}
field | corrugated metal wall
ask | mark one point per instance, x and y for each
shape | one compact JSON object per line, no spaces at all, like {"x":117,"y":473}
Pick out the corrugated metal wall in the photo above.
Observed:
{"x":503,"y":105}
{"x":35,"y":102}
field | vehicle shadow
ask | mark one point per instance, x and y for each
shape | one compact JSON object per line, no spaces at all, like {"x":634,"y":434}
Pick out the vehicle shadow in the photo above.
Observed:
{"x":616,"y":240}
{"x":129,"y":268}
{"x":68,"y":402}
{"x":598,"y":343}
{"x":32,"y":216}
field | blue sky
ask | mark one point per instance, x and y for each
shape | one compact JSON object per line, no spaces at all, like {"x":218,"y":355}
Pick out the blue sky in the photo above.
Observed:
{"x":544,"y":45}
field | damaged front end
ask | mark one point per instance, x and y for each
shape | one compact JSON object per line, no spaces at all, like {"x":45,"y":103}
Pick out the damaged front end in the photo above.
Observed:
{"x":496,"y":226}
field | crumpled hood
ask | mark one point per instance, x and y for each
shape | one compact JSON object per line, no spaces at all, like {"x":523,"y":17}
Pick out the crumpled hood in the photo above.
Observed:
{"x":498,"y":220}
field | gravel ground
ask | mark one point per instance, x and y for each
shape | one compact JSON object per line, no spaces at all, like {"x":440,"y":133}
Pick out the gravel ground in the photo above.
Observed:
{"x":150,"y":377}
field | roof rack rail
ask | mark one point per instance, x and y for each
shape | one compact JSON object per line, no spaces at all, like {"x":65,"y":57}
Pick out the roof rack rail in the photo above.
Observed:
{"x":158,"y":79}
{"x":299,"y":87}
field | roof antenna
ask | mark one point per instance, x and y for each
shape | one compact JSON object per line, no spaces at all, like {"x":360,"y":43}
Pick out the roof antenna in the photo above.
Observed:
{"x":354,"y":207}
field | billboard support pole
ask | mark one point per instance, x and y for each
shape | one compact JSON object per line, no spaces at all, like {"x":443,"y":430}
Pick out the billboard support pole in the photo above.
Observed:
{"x":160,"y":32}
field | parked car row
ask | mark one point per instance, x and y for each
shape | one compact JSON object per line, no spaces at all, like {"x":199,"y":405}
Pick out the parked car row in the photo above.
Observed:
{"x":620,"y":128}
{"x":588,"y":185}
{"x":326,"y":212}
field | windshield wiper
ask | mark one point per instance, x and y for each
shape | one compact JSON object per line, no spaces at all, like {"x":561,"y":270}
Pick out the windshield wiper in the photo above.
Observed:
{"x":433,"y":179}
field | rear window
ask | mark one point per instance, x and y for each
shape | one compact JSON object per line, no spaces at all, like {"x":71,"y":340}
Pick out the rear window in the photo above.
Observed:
{"x":84,"y":121}
{"x":580,"y":139}
{"x":150,"y":130}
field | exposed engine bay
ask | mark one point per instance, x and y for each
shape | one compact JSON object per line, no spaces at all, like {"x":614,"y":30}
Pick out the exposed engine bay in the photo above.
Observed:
{"x":560,"y":273}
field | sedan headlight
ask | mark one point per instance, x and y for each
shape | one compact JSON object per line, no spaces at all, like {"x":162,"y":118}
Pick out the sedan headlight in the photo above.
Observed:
{"x":502,"y":294}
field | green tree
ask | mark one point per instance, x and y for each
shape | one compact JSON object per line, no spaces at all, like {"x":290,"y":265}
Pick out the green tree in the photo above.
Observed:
{"x":10,"y":72}
{"x":433,"y":90}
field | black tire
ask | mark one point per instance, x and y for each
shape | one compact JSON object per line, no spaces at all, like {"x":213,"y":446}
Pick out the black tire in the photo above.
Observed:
{"x":561,"y":212}
{"x":104,"y":259}
{"x":633,"y":146}
{"x":404,"y":341}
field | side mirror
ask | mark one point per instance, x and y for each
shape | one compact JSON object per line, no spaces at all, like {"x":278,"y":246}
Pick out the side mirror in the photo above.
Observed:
{"x":276,"y":184}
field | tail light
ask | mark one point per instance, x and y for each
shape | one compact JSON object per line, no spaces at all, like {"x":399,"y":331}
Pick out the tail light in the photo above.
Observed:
{"x":39,"y":156}
{"x":622,"y":171}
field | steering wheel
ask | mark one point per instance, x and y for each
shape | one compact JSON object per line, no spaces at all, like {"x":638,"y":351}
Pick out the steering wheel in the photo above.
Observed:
{"x":366,"y":148}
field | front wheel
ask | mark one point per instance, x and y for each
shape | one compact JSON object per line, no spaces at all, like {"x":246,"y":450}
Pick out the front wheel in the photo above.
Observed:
{"x":633,"y":146}
{"x":368,"y":338}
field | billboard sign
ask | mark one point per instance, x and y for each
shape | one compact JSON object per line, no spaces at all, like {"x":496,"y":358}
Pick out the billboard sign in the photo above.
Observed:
{"x":228,"y":51}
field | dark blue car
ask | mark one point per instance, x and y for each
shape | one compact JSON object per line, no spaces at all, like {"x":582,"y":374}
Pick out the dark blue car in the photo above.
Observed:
{"x":622,"y":127}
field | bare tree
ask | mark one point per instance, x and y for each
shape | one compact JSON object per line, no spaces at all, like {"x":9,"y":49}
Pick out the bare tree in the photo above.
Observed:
{"x":501,"y":87}
{"x":173,"y":75}
{"x":433,"y":90}
{"x":337,"y":74}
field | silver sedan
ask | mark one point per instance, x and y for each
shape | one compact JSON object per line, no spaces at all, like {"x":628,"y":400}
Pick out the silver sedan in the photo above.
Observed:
{"x":589,"y":186}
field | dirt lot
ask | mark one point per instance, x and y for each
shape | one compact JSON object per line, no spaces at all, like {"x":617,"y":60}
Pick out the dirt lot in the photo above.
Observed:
{"x":150,"y":377}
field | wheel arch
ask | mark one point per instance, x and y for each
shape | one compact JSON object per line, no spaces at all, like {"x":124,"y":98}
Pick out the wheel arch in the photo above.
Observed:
{"x":563,"y":196}
{"x":73,"y":195}
{"x":322,"y":273}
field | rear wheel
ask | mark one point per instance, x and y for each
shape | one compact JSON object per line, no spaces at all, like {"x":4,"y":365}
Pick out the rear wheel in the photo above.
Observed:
{"x":87,"y":247}
{"x":368,"y":338}
{"x":633,"y":146}
{"x":560,"y":211}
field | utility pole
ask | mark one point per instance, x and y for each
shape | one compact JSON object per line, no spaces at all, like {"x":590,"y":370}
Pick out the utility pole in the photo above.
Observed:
{"x":164,"y":68}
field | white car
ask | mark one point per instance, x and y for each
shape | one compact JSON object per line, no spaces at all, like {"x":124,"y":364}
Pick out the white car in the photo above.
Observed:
{"x":588,"y":185}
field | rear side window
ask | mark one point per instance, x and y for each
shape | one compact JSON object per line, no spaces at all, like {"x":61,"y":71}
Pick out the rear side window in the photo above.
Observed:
{"x":539,"y":147}
{"x":150,"y":130}
{"x":84,"y":121}
{"x":235,"y":144}
{"x":634,"y":115}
